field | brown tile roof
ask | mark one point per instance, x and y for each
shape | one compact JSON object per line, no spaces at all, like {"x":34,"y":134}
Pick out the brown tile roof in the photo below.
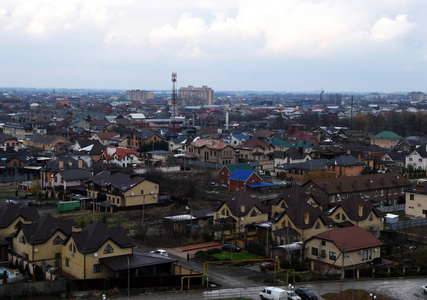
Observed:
{"x":291,"y":196}
{"x":252,"y":143}
{"x":353,"y":184}
{"x":298,"y":212}
{"x":263,"y":133}
{"x":210,"y":144}
{"x":350,"y":238}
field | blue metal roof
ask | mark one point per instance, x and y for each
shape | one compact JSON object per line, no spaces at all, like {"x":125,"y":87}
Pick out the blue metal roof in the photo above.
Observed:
{"x":241,"y":175}
{"x":261,"y":184}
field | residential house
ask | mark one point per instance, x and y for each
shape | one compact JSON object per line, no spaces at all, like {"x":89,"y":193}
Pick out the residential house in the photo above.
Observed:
{"x":290,"y":156}
{"x":83,"y":253}
{"x":345,"y":165}
{"x":227,"y":170}
{"x":334,"y":249}
{"x":144,"y":137}
{"x":328,"y":152}
{"x":394,"y":161}
{"x":236,"y":139}
{"x":41,"y":241}
{"x":417,"y":159}
{"x":243,"y":210}
{"x":120,"y":156}
{"x":382,"y":189}
{"x":8,"y":141}
{"x":44,"y":142}
{"x":122,"y":190}
{"x":177,"y":144}
{"x":20,"y":130}
{"x":156,"y":158}
{"x":385,"y":139}
{"x":11,"y":215}
{"x":416,"y":201}
{"x":410,"y":143}
{"x":90,"y":147}
{"x":62,"y":174}
{"x":111,"y":138}
{"x":211,"y":150}
{"x":358,"y":212}
{"x":299,"y":222}
{"x":301,"y":172}
{"x":258,"y":152}
{"x":263,"y":135}
{"x":281,"y":145}
{"x":239,"y":180}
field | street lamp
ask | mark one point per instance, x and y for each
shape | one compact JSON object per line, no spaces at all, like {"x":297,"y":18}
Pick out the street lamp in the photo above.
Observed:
{"x":372,"y":295}
{"x":93,"y":203}
{"x":354,"y":266}
{"x":128,"y":276}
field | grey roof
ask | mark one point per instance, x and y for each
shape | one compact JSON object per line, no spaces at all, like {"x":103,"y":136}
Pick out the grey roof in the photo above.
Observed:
{"x":92,"y":237}
{"x":44,"y":227}
{"x":68,"y":163}
{"x":75,"y":174}
{"x":9,"y":212}
{"x":118,"y":180}
{"x":345,"y":160}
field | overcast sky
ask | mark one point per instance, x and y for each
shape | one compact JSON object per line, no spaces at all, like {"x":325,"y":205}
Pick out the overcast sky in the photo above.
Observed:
{"x":271,"y":45}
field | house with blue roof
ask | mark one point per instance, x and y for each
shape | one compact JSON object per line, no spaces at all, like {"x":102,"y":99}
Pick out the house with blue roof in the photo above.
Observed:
{"x":240,"y":179}
{"x":236,"y":139}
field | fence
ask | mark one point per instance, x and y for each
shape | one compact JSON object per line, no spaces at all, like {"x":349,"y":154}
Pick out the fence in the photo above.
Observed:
{"x":407,"y":224}
{"x":33,"y":288}
{"x":392,"y":208}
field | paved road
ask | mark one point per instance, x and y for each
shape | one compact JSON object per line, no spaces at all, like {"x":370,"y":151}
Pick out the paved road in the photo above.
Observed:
{"x":394,"y":288}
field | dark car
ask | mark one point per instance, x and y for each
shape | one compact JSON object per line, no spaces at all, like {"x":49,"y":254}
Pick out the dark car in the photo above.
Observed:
{"x":230,"y":248}
{"x":266,"y":266}
{"x":305,"y":294}
{"x":376,"y":261}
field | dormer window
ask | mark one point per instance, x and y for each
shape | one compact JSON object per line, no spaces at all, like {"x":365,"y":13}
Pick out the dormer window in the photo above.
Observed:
{"x":57,"y":240}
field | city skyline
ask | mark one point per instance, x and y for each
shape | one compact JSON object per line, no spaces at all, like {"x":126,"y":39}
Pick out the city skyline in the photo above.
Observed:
{"x":292,"y":45}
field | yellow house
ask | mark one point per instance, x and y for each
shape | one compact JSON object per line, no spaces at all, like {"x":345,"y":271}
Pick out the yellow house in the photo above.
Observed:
{"x":82,"y":253}
{"x":299,"y":222}
{"x":11,"y":215}
{"x":342,"y":247}
{"x":416,"y":201}
{"x":122,"y":190}
{"x":41,"y":241}
{"x":359,"y":213}
{"x":243,"y":208}
{"x":288,"y":198}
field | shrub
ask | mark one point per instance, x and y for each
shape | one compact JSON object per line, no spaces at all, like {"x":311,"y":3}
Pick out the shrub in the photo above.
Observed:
{"x":298,"y":278}
{"x":381,"y":273}
{"x":411,"y":272}
{"x":256,"y":248}
{"x":396,"y":273}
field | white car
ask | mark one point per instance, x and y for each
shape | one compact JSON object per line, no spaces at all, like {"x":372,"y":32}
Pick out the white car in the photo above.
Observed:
{"x":424,"y":287}
{"x":160,"y":251}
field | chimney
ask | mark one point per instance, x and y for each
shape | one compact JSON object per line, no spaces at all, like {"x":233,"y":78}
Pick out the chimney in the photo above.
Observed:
{"x":306,"y":218}
{"x":360,"y":211}
{"x":359,"y":158}
{"x":242,"y":208}
{"x":61,"y":164}
{"x":80,"y":165}
{"x":76,"y":228}
{"x":419,"y":187}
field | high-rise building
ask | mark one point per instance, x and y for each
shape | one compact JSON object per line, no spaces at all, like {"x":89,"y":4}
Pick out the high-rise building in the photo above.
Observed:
{"x":417,"y":96}
{"x":137,"y":95}
{"x":196,"y":95}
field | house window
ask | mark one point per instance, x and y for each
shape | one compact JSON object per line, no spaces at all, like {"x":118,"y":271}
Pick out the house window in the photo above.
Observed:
{"x":333,"y":198}
{"x":381,"y":192}
{"x":223,"y":212}
{"x":411,"y":196}
{"x":253,"y":213}
{"x":323,"y":243}
{"x":337,"y":216}
{"x":57,"y":255}
{"x":22,"y":239}
{"x":420,"y":160}
{"x":314,"y":251}
{"x":57,"y":240}
{"x":389,"y":191}
{"x":317,"y":225}
{"x":410,"y":159}
{"x":370,"y":253}
{"x":323,"y":254}
{"x":376,"y":193}
{"x":108,"y":249}
{"x":371,"y":217}
{"x":67,"y":262}
{"x":332,"y":255}
{"x":97,"y":268}
{"x":343,"y":217}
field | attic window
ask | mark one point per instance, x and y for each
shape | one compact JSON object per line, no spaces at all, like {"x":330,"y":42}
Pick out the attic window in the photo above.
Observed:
{"x":57,"y":240}
{"x":317,"y":225}
{"x":337,"y":216}
{"x":108,"y":249}
{"x":253,"y":213}
{"x":22,"y":239}
{"x":371,"y":217}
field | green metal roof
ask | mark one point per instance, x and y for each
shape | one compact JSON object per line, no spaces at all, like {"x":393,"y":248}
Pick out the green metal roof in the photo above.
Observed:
{"x":234,"y":167}
{"x":387,"y":135}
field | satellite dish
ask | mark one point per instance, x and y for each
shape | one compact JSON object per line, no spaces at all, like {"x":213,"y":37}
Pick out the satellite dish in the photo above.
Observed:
{"x":151,"y":192}
{"x":95,"y":254}
{"x":132,"y":194}
{"x":36,"y":250}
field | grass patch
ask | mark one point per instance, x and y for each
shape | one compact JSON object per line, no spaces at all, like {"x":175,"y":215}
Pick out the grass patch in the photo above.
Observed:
{"x":236,"y":256}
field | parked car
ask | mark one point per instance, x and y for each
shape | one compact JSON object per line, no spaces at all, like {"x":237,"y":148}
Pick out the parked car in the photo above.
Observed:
{"x":292,"y":295}
{"x":424,"y":287}
{"x":273,"y":293}
{"x":160,"y":252}
{"x":305,"y":294}
{"x":376,"y":261}
{"x":266,"y":266}
{"x":230,"y":248}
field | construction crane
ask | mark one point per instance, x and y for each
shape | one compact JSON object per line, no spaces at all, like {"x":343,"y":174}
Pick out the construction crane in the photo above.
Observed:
{"x":321,"y":95}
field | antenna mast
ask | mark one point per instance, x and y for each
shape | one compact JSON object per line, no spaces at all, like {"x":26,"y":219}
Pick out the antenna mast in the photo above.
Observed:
{"x":173,"y":114}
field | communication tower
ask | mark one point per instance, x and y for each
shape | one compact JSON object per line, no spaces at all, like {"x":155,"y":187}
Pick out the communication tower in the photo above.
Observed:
{"x":173,"y":112}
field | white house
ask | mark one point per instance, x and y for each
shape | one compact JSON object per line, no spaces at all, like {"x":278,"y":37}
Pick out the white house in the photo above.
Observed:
{"x":417,"y":159}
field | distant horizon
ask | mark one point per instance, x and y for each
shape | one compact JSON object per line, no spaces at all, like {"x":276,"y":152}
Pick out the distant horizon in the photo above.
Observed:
{"x":215,"y":91}
{"x":289,"y":46}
